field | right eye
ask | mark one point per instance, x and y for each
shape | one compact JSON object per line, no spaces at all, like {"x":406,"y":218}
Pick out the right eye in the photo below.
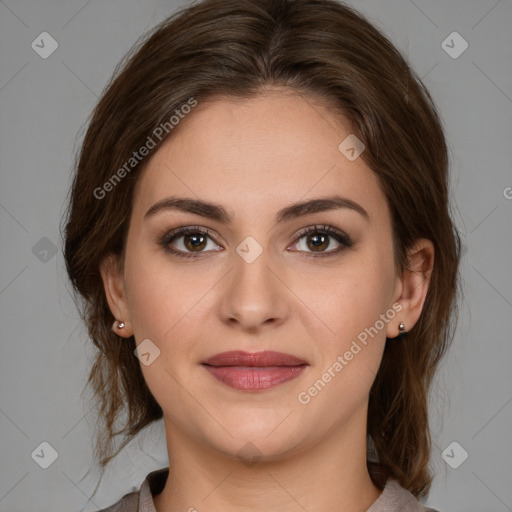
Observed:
{"x":186,"y":241}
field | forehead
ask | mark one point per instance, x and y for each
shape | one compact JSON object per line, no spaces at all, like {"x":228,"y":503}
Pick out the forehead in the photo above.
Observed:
{"x":272,"y":149}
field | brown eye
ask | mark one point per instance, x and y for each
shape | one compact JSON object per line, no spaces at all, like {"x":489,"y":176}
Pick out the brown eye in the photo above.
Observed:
{"x":322,"y":241}
{"x":317,"y":242}
{"x":195,"y":242}
{"x":188,"y":242}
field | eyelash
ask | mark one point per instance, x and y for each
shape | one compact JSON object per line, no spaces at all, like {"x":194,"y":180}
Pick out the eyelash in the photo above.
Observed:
{"x":342,"y":238}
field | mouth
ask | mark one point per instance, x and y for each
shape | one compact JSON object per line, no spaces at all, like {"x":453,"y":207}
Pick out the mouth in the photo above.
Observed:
{"x":254,"y":371}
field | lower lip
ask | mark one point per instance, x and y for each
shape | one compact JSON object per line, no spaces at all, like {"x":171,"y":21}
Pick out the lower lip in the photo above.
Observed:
{"x":255,"y":378}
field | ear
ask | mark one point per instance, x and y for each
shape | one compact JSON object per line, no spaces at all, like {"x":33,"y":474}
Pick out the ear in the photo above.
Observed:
{"x":412,"y":286}
{"x":113,"y":282}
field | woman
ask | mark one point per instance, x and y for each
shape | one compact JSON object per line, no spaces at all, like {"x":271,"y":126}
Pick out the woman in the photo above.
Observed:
{"x":259,"y":226}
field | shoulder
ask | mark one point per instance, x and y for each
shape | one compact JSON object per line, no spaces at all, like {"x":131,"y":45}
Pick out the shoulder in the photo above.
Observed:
{"x":143,"y":498}
{"x":395,"y":497}
{"x":128,"y":503}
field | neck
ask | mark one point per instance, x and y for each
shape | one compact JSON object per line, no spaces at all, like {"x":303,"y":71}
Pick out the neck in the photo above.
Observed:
{"x":330,"y":475}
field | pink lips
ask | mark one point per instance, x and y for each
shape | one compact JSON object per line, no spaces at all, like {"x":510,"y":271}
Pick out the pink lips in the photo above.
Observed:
{"x":254,"y":371}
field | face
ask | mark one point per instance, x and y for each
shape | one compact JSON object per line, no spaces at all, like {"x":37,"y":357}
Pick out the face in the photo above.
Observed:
{"x":315,"y":283}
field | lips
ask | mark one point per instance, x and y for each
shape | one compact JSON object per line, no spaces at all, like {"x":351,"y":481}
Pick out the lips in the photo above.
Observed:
{"x":266,"y":358}
{"x":254,"y":371}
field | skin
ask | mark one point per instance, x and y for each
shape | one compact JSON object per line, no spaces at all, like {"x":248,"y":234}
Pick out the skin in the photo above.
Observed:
{"x":255,"y":157}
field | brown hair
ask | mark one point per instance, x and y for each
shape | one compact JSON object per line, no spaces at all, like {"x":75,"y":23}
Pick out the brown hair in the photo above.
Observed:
{"x":237,"y":48}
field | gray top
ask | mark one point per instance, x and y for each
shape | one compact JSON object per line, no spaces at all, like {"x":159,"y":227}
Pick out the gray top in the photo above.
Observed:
{"x":394,"y":498}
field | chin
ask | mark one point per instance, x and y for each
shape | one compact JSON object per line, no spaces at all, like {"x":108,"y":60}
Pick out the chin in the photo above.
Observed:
{"x":255,"y":438}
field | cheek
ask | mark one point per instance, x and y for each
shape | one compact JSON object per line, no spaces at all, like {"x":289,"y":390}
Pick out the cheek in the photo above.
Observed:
{"x":351,"y":297}
{"x":157,"y":296}
{"x":351,"y":302}
{"x":349,"y":359}
{"x":164,"y":305}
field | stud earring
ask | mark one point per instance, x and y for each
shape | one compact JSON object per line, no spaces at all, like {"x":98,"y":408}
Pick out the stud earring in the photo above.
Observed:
{"x":401,"y":327}
{"x":120,"y":325}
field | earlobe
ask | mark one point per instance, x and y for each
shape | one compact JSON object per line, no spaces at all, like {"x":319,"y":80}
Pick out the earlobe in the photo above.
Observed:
{"x":113,"y":285}
{"x":415,"y":282}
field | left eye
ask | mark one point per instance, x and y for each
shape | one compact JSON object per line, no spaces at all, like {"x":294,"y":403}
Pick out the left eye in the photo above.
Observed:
{"x":315,"y":240}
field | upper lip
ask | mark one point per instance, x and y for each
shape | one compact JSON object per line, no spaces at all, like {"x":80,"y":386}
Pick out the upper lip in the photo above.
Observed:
{"x":265,"y":358}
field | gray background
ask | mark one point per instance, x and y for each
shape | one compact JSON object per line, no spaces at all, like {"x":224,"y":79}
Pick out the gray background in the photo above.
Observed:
{"x":45,"y":353}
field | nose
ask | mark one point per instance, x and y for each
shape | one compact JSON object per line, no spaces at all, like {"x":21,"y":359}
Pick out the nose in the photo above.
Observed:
{"x":254,"y":294}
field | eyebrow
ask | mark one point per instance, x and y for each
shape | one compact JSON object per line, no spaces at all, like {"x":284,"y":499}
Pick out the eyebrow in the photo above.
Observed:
{"x":216,"y":212}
